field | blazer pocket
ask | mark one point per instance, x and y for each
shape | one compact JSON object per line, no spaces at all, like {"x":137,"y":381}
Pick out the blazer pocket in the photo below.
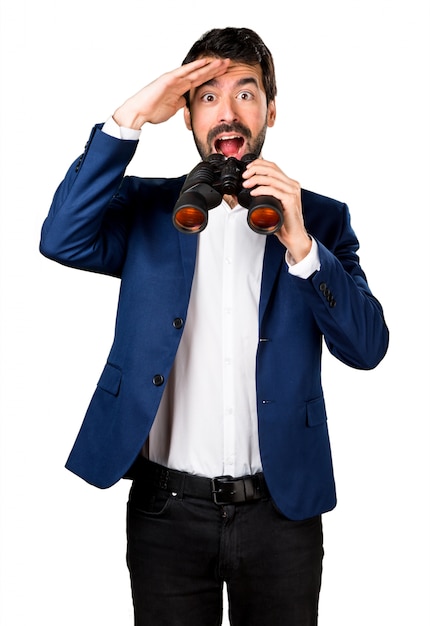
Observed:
{"x":110,"y":380}
{"x":315,"y":412}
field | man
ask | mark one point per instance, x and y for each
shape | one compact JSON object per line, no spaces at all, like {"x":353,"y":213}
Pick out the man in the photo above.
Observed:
{"x":211,"y":397}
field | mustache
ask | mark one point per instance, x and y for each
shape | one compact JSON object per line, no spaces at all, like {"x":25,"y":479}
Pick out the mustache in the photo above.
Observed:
{"x":235,"y":127}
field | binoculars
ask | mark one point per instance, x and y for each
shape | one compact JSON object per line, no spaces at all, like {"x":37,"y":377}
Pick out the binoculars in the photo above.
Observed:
{"x":205,"y":186}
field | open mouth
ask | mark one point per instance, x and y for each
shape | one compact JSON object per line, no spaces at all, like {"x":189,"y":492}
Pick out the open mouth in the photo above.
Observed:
{"x":229,"y":146}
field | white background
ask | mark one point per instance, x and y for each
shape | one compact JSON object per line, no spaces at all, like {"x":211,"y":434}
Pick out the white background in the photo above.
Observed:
{"x":353,"y":123}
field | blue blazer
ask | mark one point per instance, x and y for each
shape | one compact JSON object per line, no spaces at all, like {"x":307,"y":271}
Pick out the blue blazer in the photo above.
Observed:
{"x":103,"y":221}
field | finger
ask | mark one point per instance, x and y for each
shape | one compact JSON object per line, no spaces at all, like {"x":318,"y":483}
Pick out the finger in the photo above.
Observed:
{"x":273,"y":189}
{"x":276,"y":191}
{"x":203,"y":69}
{"x":260,"y":162}
{"x":260,"y":167}
{"x":272,"y":177}
{"x":264,"y":174}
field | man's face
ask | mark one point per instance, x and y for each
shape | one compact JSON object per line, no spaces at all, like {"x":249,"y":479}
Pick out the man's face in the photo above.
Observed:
{"x":229,"y":115}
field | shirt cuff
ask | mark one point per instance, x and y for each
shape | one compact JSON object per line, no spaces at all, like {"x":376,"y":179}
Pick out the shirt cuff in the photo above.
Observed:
{"x":110,"y":127}
{"x":307,"y":266}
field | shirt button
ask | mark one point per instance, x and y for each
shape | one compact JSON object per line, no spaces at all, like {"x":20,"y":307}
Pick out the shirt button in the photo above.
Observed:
{"x":158,"y":380}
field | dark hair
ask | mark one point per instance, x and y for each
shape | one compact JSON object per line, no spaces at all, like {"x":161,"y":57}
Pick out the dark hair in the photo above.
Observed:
{"x":238,"y":44}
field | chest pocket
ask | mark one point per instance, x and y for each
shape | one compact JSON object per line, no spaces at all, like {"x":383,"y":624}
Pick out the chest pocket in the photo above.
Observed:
{"x":110,"y":380}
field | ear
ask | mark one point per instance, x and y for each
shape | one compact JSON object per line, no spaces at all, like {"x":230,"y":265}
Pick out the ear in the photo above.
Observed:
{"x":271,"y":113}
{"x":187,"y":117}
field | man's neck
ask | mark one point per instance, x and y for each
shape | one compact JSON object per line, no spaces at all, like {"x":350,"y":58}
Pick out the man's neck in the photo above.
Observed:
{"x":231,"y":200}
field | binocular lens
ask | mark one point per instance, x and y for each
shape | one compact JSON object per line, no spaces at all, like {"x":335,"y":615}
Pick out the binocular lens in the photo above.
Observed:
{"x":264,"y":220}
{"x":190,"y":219}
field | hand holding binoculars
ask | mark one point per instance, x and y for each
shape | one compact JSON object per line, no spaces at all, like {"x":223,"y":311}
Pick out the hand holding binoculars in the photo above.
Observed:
{"x":208,"y":182}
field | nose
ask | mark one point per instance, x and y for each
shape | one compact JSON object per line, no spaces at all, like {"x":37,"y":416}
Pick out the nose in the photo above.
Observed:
{"x":227,"y":112}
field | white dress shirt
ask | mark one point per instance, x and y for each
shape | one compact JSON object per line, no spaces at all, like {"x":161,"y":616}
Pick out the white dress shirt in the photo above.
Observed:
{"x":206,"y":423}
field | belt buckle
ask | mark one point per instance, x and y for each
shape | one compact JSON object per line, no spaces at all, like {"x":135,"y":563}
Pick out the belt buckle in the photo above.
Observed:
{"x":220,"y":491}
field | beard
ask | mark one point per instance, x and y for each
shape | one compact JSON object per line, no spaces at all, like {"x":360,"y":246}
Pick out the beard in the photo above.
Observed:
{"x":255,"y":144}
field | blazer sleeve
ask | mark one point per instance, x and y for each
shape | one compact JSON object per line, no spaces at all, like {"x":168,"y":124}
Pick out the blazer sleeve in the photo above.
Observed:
{"x":346,"y":312}
{"x":86,"y":227}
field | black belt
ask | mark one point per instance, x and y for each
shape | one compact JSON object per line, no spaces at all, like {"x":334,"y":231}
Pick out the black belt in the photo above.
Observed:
{"x":221,"y":490}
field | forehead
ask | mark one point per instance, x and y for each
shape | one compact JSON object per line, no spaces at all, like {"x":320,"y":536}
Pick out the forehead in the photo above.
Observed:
{"x":237,"y":74}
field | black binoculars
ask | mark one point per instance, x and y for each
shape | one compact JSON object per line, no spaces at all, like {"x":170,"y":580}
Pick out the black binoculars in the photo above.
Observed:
{"x":208,"y":182}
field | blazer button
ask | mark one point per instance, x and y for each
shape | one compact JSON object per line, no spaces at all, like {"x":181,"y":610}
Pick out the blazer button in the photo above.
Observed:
{"x":158,"y":380}
{"x":327,"y":294}
{"x":78,"y":165}
{"x":178,"y":322}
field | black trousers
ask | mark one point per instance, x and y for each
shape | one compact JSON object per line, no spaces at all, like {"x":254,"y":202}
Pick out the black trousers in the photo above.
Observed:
{"x":181,"y":550}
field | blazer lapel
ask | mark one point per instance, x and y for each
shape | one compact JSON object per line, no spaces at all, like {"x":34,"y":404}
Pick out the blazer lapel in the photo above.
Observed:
{"x":274,"y":256}
{"x":188,"y":245}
